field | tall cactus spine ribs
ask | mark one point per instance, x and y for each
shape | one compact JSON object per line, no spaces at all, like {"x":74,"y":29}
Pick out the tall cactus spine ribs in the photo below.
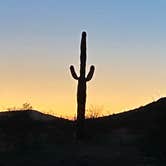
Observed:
{"x":81,"y":89}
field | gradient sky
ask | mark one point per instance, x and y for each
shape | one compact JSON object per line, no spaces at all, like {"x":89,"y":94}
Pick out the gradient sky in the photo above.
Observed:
{"x":40,"y":39}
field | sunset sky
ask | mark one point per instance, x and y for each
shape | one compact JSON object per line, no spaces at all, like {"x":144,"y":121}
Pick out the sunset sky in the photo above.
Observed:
{"x":40,"y":39}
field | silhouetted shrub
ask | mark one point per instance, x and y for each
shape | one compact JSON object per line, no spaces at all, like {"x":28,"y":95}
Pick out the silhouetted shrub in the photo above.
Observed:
{"x":25,"y":107}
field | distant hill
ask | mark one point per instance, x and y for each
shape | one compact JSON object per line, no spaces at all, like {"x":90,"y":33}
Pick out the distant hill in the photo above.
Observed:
{"x":149,"y":116}
{"x":146,"y":114}
{"x":25,"y":115}
{"x":135,"y":137}
{"x":143,"y":119}
{"x":24,"y":129}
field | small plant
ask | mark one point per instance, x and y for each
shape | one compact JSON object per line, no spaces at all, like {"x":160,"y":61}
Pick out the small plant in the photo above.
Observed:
{"x":25,"y":107}
{"x":94,"y":112}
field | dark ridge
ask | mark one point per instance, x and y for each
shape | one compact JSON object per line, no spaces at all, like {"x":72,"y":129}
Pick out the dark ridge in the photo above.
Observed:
{"x":26,"y":115}
{"x":27,"y":129}
{"x":136,"y":137}
{"x":144,"y":118}
{"x":148,"y":115}
{"x":159,"y":105}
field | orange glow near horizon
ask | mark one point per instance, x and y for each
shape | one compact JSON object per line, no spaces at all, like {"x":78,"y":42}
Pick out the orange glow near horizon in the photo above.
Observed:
{"x":49,"y":87}
{"x":69,"y":111}
{"x":59,"y":98}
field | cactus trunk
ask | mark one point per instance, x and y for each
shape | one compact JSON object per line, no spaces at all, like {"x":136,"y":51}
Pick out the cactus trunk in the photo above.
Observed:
{"x":81,"y":89}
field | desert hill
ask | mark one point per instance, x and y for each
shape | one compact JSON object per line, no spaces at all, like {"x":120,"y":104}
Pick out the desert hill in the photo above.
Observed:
{"x":135,"y":137}
{"x":150,"y":116}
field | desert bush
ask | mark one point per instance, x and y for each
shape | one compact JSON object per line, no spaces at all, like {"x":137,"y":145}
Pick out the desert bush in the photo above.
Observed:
{"x":94,"y":111}
{"x":25,"y":107}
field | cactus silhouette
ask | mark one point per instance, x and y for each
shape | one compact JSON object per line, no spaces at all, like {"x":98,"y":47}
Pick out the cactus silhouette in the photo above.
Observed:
{"x":81,"y":89}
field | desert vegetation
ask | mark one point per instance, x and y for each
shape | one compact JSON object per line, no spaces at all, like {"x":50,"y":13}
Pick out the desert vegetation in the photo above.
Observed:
{"x":81,"y":89}
{"x":25,"y":107}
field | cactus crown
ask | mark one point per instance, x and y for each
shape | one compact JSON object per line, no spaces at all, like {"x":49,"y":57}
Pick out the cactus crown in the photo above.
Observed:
{"x":83,"y":62}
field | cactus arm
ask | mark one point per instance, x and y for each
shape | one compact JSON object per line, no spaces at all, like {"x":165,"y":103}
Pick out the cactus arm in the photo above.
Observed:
{"x":73,"y":73}
{"x":90,"y":74}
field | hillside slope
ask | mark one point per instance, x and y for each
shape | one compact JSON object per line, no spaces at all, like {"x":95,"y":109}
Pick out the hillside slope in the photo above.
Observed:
{"x":135,"y":137}
{"x":150,"y":116}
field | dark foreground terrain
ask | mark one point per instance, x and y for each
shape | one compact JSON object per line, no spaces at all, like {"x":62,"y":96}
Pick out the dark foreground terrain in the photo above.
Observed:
{"x":136,"y":137}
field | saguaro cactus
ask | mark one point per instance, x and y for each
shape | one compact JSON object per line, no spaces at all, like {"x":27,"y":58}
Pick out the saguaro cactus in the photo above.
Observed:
{"x":81,"y":89}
